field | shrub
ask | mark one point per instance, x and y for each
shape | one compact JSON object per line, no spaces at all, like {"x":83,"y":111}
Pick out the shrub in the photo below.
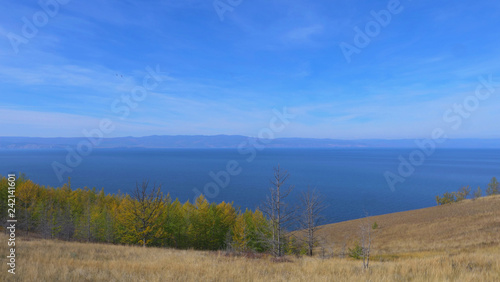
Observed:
{"x":463,"y":193}
{"x":447,"y":198}
{"x":452,"y":197}
{"x":375,"y":225}
{"x":493,"y":187}
{"x":356,"y":252}
{"x":478,"y":193}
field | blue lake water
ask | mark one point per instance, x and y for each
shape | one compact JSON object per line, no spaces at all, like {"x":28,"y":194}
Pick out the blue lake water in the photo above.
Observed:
{"x":351,"y":180}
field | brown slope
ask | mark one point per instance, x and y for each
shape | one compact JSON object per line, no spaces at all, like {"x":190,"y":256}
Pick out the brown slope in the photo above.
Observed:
{"x":464,"y":225}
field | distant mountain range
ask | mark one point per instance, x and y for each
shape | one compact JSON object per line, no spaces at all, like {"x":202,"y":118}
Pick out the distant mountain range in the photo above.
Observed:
{"x":231,"y":141}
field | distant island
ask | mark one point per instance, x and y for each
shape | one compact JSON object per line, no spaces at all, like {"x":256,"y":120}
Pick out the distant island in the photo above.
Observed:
{"x":232,"y":141}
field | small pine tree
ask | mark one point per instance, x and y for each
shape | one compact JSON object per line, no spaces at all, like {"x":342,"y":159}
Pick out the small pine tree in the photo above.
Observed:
{"x":447,"y":198}
{"x":463,"y":193}
{"x":478,"y":193}
{"x":375,"y":225}
{"x":356,"y":252}
{"x":493,"y":187}
{"x":291,"y":247}
{"x":304,"y":249}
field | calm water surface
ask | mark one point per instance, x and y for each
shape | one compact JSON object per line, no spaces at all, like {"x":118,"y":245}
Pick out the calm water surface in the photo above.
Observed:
{"x":351,"y":180}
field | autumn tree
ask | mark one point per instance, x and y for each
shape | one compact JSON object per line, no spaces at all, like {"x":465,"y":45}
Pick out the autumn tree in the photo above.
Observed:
{"x":144,"y":217}
{"x":239,"y":239}
{"x":103,"y":217}
{"x":4,"y":188}
{"x":140,"y":213}
{"x":84,"y":208}
{"x":27,"y":196}
{"x":227,"y":216}
{"x":47,"y":214}
{"x":177,"y":225}
{"x":200,"y":223}
{"x":210,"y":224}
{"x":257,"y":231}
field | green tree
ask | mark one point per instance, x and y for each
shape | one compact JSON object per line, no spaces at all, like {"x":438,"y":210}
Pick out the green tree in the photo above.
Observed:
{"x":27,"y":197}
{"x":145,"y":217}
{"x":478,"y":193}
{"x":239,"y":231}
{"x":492,"y":187}
{"x":462,"y":194}
{"x":447,"y":198}
{"x":86,"y":209}
{"x":228,"y":215}
{"x":178,"y":224}
{"x":259,"y":231}
{"x":292,"y":246}
{"x":200,"y":223}
{"x":103,"y":218}
{"x":356,"y":252}
{"x":4,"y":189}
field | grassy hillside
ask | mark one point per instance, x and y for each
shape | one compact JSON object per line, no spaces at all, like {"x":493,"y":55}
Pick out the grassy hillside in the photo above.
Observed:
{"x":462,"y":226}
{"x":458,"y":242}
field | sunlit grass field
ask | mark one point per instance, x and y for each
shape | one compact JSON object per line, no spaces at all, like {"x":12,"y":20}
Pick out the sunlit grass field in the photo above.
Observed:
{"x":457,"y":242}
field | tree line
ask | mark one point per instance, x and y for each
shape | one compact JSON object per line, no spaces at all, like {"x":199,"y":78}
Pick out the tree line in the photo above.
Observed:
{"x":464,"y":192}
{"x":148,"y":217}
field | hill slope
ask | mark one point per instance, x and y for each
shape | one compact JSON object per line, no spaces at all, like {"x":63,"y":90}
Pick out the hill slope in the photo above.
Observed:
{"x":458,"y":242}
{"x":467,"y":224}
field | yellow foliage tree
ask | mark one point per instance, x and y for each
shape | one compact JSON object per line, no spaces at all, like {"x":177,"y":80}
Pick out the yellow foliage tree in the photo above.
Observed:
{"x":239,"y":230}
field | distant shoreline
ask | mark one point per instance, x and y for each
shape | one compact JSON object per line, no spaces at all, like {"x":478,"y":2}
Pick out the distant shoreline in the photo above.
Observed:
{"x":234,"y":141}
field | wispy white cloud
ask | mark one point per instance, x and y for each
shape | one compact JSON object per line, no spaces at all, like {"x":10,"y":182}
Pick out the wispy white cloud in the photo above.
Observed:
{"x":303,"y":34}
{"x":61,"y":75}
{"x":226,"y":77}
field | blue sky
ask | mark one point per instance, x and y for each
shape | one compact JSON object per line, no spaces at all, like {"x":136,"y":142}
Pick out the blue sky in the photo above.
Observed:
{"x":226,"y":76}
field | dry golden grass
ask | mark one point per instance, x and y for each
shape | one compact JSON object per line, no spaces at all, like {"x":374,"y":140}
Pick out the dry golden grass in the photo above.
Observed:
{"x":458,"y":242}
{"x":457,"y":227}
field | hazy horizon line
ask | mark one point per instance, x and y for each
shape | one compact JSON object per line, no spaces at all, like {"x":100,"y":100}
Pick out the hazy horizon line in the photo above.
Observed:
{"x":246,"y":136}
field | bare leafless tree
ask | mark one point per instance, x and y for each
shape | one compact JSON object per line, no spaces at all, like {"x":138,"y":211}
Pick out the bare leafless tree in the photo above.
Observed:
{"x":146,"y":207}
{"x":343,"y":248}
{"x":366,"y":231}
{"x":324,"y":245}
{"x":311,"y":217}
{"x":277,"y":211}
